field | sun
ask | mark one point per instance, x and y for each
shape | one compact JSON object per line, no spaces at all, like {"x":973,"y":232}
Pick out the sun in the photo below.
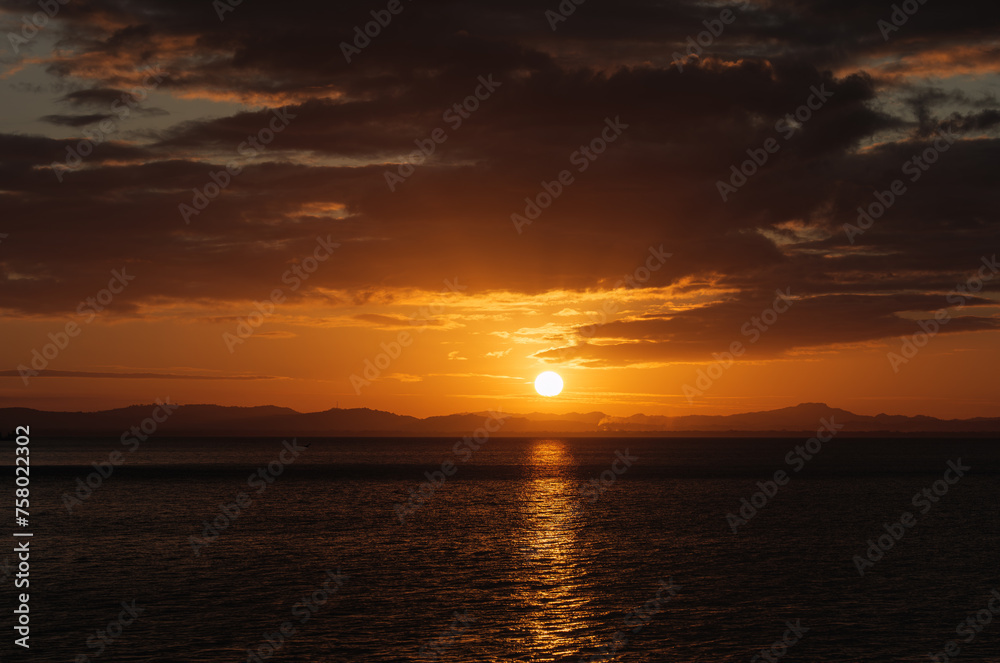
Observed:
{"x":548,"y":384}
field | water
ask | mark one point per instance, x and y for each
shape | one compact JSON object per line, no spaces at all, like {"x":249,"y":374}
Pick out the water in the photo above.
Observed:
{"x":533,"y":568}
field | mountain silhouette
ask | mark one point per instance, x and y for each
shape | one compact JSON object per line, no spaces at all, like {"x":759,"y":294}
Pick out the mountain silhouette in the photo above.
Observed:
{"x":266,"y":421}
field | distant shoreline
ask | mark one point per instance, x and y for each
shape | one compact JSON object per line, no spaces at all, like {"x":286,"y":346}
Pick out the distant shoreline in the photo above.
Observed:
{"x":169,"y":419}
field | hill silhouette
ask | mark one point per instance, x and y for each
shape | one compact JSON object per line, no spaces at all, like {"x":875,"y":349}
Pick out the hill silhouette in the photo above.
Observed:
{"x":217,"y":420}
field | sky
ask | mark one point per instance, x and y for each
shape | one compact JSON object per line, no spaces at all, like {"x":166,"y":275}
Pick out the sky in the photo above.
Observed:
{"x":680,"y":207}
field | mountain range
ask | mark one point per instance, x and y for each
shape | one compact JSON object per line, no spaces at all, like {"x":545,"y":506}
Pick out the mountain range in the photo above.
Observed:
{"x":267,"y":421}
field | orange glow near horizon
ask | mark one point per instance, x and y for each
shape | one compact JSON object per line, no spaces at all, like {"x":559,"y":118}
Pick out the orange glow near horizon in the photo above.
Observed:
{"x":638,"y":284}
{"x":466,"y":360}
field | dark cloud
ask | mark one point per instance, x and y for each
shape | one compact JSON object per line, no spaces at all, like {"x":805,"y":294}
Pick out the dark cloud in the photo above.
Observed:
{"x":75,"y":120}
{"x":100,"y":98}
{"x":656,"y":184}
{"x":698,"y":334}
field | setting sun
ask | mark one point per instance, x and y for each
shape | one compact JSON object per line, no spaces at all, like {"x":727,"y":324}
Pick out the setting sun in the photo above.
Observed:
{"x":548,"y":384}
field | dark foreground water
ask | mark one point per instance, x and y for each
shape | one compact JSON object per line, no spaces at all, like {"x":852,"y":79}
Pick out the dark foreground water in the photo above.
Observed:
{"x":508,"y":560}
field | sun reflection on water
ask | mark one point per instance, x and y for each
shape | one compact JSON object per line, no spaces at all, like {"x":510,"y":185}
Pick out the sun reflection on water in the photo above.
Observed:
{"x":553,"y":591}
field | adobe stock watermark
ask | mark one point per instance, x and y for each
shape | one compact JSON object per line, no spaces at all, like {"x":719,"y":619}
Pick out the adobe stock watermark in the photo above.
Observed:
{"x":258,"y":481}
{"x":463,"y":451}
{"x":925,"y":501}
{"x":704,"y":39}
{"x":581,"y":158}
{"x":88,"y":309}
{"x":635,"y":622}
{"x":969,"y":628}
{"x":901,"y":13}
{"x":223,"y":7}
{"x":640,"y":275}
{"x":31,"y":25}
{"x":796,"y":459}
{"x":787,"y":127}
{"x":372,"y":29}
{"x":432,"y":650}
{"x":565,"y":9}
{"x":914,"y":167}
{"x":293,"y":277}
{"x":454,"y":117}
{"x":302,"y":612}
{"x":930,"y":328}
{"x":597,"y":486}
{"x":122,"y":107}
{"x":375,"y":366}
{"x":130,"y":439}
{"x":753,"y":329}
{"x":219,"y":180}
{"x":104,"y":638}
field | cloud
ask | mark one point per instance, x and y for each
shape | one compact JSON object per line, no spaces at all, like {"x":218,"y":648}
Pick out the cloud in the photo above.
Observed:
{"x":818,"y":321}
{"x":135,"y":376}
{"x":76,"y":120}
{"x":396,"y":321}
{"x":657,"y":184}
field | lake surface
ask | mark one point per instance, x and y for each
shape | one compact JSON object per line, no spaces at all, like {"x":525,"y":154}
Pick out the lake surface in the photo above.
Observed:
{"x":512,"y":558}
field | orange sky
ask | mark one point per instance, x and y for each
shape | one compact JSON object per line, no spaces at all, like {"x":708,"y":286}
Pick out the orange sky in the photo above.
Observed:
{"x":570,"y":195}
